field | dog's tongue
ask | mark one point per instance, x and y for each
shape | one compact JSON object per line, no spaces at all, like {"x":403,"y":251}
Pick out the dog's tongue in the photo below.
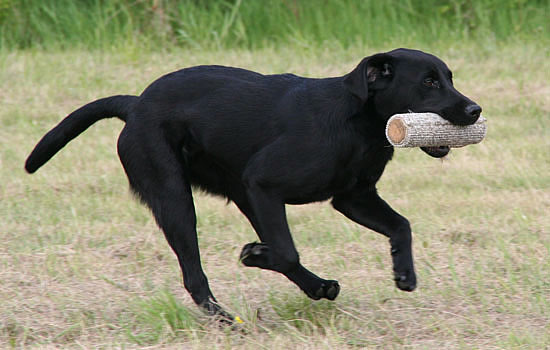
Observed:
{"x":437,"y":151}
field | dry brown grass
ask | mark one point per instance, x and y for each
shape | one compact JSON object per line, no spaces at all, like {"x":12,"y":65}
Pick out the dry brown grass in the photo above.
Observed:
{"x":82,"y":263}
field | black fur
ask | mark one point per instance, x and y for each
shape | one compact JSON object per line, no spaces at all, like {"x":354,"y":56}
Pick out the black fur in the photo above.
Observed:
{"x":263,"y":141}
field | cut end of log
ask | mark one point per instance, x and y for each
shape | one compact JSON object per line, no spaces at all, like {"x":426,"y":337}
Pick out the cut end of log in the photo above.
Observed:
{"x":396,"y":131}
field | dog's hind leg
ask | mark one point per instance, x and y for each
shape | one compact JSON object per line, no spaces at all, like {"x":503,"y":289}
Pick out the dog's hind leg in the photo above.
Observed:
{"x":277,"y":252}
{"x":157,"y":174}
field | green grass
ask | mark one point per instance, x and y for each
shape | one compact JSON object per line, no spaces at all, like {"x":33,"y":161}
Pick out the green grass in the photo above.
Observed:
{"x":83,"y":264}
{"x":161,"y":317}
{"x":154,"y":24}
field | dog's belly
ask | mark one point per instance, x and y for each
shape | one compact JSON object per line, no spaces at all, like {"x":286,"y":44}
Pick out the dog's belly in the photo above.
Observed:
{"x":318,"y":192}
{"x":305,"y":198}
{"x":215,"y":178}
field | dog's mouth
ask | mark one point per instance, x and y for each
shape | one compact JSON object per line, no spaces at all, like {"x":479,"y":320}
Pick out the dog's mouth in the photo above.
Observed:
{"x":437,"y":151}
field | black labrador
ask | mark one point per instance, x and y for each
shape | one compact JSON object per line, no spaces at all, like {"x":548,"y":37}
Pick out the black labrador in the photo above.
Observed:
{"x":263,"y":141}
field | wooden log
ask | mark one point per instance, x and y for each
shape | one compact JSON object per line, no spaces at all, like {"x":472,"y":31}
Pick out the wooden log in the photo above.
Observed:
{"x":431,"y":130}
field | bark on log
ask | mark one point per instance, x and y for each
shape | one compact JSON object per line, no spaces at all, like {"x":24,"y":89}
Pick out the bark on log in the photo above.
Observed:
{"x":430,"y":130}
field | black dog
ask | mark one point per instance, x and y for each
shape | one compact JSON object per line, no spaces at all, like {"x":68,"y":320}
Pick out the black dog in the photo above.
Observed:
{"x":263,"y":141}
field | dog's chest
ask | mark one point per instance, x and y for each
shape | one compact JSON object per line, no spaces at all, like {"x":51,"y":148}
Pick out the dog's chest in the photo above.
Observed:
{"x":364,"y":167}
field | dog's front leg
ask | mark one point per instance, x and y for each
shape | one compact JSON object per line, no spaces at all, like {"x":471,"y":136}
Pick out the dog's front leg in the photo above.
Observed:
{"x":371,"y":211}
{"x":276,"y":252}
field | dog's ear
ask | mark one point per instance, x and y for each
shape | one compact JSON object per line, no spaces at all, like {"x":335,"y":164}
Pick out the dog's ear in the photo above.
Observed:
{"x":372,"y":73}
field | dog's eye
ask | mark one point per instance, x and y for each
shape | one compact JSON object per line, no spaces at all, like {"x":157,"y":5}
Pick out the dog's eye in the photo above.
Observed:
{"x":429,"y":82}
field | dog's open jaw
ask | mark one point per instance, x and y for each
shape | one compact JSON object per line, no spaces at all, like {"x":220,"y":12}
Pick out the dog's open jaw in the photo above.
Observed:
{"x":437,"y":151}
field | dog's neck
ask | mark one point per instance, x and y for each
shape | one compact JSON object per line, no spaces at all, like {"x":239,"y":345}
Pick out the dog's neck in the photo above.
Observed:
{"x":369,"y":122}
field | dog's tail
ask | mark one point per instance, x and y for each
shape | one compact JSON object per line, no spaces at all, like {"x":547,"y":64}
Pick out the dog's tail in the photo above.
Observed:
{"x":75,"y":123}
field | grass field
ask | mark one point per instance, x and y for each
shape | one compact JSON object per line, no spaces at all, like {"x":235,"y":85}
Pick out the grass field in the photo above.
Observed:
{"x":83,"y":265}
{"x":98,"y":24}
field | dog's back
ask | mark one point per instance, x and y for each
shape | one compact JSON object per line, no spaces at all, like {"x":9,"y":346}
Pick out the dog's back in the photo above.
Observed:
{"x":204,"y":108}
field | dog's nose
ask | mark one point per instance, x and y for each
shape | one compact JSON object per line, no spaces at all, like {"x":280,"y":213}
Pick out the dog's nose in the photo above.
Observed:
{"x":473,"y":110}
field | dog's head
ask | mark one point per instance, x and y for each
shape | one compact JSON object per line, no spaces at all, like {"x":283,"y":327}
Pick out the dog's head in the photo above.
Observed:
{"x":405,"y":80}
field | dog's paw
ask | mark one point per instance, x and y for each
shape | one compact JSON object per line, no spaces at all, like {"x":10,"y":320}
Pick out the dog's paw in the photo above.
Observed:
{"x":212,"y":308}
{"x":406,"y":281}
{"x":255,"y":254}
{"x":328,"y":289}
{"x":403,"y":269}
